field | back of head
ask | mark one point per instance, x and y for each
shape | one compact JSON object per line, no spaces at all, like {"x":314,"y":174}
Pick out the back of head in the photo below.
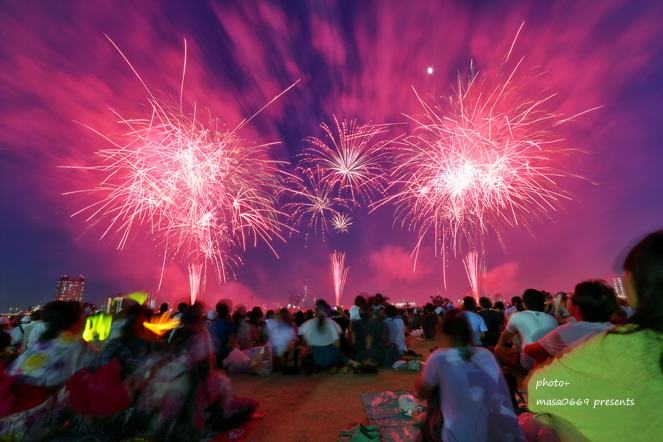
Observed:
{"x":360,"y":301}
{"x":257,"y":311}
{"x":499,"y":305}
{"x":514,"y":300}
{"x":380,"y":297}
{"x":36,"y":315}
{"x":375,"y":306}
{"x":133,"y":321}
{"x":430,"y":308}
{"x":469,"y":303}
{"x":390,"y":311}
{"x":595,"y":299}
{"x":284,"y":316}
{"x":644,"y":267}
{"x":270,"y":314}
{"x":485,"y":303}
{"x":534,"y":300}
{"x":182,"y":306}
{"x":222,"y":310}
{"x":163,"y":308}
{"x":458,"y":330}
{"x":520,"y":307}
{"x":60,"y":316}
{"x":321,"y":310}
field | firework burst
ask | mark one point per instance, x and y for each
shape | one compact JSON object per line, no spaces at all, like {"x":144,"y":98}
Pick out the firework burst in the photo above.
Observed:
{"x":201,"y":189}
{"x":476,"y":271}
{"x":353,"y":163}
{"x":314,"y":202}
{"x":480,"y":161}
{"x":342,"y":222}
{"x":339,"y":273}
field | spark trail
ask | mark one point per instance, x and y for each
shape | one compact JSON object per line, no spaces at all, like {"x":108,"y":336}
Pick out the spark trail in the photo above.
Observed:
{"x":339,"y":273}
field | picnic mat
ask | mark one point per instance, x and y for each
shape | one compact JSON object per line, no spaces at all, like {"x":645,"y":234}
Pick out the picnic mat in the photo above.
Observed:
{"x":382,"y":409}
{"x":239,"y":434}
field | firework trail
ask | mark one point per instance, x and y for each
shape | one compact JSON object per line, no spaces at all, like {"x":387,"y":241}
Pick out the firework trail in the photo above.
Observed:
{"x":476,"y":271}
{"x":353,"y":164}
{"x":202,"y":190}
{"x":341,"y":222}
{"x":314,"y":202}
{"x":339,"y":272}
{"x":479,"y":162}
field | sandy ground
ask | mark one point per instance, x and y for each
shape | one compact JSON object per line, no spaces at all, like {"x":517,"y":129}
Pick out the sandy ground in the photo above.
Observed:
{"x":316,"y":407}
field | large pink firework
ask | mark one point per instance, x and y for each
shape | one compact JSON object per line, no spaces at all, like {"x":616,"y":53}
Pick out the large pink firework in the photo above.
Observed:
{"x":201,"y":189}
{"x":481,"y":161}
{"x":351,"y":159}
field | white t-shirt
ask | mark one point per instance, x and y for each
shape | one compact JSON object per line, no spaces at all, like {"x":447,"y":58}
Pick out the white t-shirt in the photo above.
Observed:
{"x":280,"y":336}
{"x":354,"y":313}
{"x":329,"y":334}
{"x":570,"y":335}
{"x":531,"y":326}
{"x":475,"y":400}
{"x":477,"y":325}
{"x":396,"y":333}
{"x":38,"y":330}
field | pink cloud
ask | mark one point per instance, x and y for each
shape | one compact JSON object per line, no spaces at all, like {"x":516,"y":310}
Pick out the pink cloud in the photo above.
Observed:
{"x":503,"y":279}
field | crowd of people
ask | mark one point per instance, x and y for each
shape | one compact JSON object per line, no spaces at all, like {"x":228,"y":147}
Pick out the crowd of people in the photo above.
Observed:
{"x":604,"y":350}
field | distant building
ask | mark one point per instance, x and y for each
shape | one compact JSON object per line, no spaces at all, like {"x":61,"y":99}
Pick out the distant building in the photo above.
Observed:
{"x":70,"y":289}
{"x":616,"y":282}
{"x":151,"y":301}
{"x":112,"y":304}
{"x":32,"y":308}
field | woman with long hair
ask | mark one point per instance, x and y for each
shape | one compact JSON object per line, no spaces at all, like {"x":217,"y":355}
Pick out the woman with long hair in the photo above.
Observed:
{"x":32,"y":399}
{"x":617,"y":377}
{"x":468,"y":399}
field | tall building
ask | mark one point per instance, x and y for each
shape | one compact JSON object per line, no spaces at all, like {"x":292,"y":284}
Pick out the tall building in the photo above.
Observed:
{"x":112,"y":304}
{"x":70,"y":289}
{"x":151,"y":301}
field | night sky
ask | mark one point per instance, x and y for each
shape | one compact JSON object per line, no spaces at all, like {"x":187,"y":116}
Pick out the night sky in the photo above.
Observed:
{"x":355,"y":59}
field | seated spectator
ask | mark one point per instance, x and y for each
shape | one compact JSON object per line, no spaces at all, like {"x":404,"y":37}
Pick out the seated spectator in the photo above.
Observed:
{"x":499,"y":308}
{"x":5,"y":337}
{"x":360,"y":302}
{"x":531,"y":325}
{"x":472,"y":401}
{"x":377,"y":335}
{"x":35,"y":318}
{"x":30,"y":402}
{"x":258,"y":329}
{"x":430,"y":322}
{"x":222,"y":333}
{"x":396,"y":329}
{"x":343,"y":320}
{"x":561,"y":312}
{"x":359,"y":331}
{"x":475,"y":321}
{"x":299,"y":318}
{"x":416,"y":319}
{"x":619,"y":371}
{"x":18,"y":333}
{"x":494,"y":322}
{"x":512,"y":307}
{"x":283,"y":332}
{"x":323,"y":335}
{"x":592,"y":303}
{"x":270,"y":320}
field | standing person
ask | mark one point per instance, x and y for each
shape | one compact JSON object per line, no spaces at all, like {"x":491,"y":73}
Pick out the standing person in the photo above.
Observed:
{"x":30,"y":402}
{"x":476,"y":322}
{"x":494,"y":321}
{"x":222,"y":333}
{"x":467,"y":395}
{"x":620,"y":370}
{"x":430,"y":322}
{"x":416,"y":319}
{"x":378,"y":333}
{"x":396,"y":328}
{"x":531,"y":324}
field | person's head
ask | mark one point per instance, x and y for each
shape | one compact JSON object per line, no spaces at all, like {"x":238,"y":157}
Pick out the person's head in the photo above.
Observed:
{"x":456,"y":332}
{"x":514,"y":300}
{"x":133,"y":322}
{"x":485,"y":303}
{"x":643,"y":282}
{"x":321,"y":312}
{"x":375,"y":306}
{"x":61,"y":316}
{"x":593,"y":301}
{"x":182,"y":307}
{"x":309,"y":314}
{"x":430,"y":308}
{"x":270,"y":314}
{"x":222,"y":310}
{"x":284,"y":316}
{"x":360,"y":301}
{"x":534,"y":300}
{"x":390,"y":311}
{"x":520,"y":307}
{"x":380,"y":297}
{"x":254,"y":316}
{"x":469,"y":303}
{"x":499,"y":306}
{"x":36,"y":315}
{"x":257,"y":311}
{"x":163,"y":308}
{"x":240,"y":309}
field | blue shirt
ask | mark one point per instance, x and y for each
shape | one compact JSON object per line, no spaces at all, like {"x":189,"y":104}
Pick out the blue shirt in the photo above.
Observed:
{"x":220,"y":331}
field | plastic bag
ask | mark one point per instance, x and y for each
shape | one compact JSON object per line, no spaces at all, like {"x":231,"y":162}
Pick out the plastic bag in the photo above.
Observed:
{"x":261,"y":360}
{"x":237,"y":362}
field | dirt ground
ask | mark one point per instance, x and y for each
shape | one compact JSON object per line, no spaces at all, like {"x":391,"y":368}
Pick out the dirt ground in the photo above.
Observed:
{"x":316,"y":407}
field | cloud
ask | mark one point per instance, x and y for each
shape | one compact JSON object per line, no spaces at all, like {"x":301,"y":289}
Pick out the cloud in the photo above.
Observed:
{"x":392,"y":263}
{"x":502,"y":279}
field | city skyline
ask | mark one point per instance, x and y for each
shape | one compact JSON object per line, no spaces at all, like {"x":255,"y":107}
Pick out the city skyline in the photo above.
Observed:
{"x":356,"y":61}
